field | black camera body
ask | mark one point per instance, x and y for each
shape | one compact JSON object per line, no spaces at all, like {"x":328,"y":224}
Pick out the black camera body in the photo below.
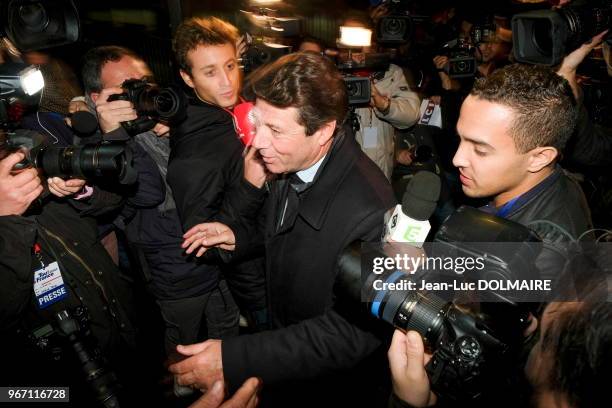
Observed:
{"x":152,"y":103}
{"x":259,"y":53}
{"x":69,"y":333}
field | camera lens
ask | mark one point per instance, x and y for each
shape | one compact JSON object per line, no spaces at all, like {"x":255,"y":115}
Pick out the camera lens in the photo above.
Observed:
{"x":353,"y":88}
{"x":394,"y":26}
{"x":542,"y":37}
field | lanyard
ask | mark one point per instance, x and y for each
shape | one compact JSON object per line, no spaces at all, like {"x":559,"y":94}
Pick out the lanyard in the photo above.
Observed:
{"x":36,"y":249}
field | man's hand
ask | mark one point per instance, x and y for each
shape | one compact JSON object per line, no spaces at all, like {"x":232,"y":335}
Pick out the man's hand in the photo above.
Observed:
{"x":572,"y":60}
{"x":440,"y":61}
{"x":404,"y":156}
{"x":407,"y":360}
{"x":379,"y":101}
{"x":111,"y":114}
{"x":241,"y":46}
{"x":255,"y":171}
{"x":19,"y":190}
{"x":208,"y":235}
{"x":203,"y":368}
{"x":161,"y":130}
{"x":245,"y":397}
{"x":64,"y":188}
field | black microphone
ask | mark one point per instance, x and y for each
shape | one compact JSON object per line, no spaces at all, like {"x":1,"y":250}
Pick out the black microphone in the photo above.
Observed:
{"x":84,"y":123}
{"x":408,"y":222}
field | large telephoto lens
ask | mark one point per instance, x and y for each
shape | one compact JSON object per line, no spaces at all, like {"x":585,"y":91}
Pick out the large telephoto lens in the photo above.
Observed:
{"x":105,"y":160}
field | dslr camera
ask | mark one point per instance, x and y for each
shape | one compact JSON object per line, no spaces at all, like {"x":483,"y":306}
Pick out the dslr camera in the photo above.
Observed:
{"x":152,"y":103}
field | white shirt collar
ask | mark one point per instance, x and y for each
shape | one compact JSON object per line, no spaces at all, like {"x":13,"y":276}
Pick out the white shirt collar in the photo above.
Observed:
{"x":307,"y":175}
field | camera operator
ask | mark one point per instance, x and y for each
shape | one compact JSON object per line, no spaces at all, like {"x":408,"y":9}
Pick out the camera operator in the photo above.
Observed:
{"x":591,"y":144}
{"x":327,"y":195}
{"x":59,"y":244}
{"x":393,"y":105}
{"x":186,"y":292}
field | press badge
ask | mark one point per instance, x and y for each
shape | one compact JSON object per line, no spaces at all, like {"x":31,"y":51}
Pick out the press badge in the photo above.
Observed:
{"x":49,"y":285}
{"x":370,"y":137}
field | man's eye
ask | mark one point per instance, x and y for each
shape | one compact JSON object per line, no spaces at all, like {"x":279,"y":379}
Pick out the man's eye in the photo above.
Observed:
{"x":231,"y":66}
{"x":209,"y":73}
{"x":480,"y":152}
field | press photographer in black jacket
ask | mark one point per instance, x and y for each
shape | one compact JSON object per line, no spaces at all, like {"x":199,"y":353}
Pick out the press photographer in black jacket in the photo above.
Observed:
{"x":58,"y":230}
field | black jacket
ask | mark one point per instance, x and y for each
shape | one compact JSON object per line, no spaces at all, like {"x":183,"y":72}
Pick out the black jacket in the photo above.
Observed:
{"x":313,"y":337}
{"x":205,"y":161}
{"x":92,"y":279}
{"x":205,"y":167}
{"x":557,"y":211}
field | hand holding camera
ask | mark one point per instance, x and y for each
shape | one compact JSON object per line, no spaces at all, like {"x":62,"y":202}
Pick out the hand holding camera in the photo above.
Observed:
{"x":114,"y":111}
{"x":17,"y":189}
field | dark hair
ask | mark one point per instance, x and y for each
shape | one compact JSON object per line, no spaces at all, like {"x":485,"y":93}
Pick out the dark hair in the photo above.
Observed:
{"x":543,"y":102}
{"x":306,"y":81}
{"x":94,"y":60}
{"x":313,"y":40}
{"x":201,"y":31}
{"x":579,"y":340}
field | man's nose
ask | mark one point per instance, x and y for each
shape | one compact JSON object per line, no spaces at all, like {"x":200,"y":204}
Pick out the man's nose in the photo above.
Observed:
{"x":225,"y":78}
{"x":460,"y":159}
{"x":261,"y":139}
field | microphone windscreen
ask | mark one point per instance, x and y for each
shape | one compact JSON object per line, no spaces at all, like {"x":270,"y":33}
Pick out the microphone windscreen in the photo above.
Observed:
{"x":421,"y":196}
{"x":84,"y":123}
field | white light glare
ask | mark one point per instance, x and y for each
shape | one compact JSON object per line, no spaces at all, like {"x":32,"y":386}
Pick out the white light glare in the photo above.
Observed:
{"x":355,"y":36}
{"x":31,"y":80}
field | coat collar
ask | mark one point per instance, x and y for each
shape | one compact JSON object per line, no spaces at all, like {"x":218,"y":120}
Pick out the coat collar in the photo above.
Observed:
{"x":316,"y":201}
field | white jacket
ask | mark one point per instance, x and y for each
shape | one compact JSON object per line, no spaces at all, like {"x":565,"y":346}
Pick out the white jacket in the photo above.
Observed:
{"x":376,"y":133}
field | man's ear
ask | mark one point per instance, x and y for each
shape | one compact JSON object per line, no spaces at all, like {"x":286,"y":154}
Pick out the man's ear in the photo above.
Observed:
{"x":94,"y":96}
{"x":325,"y":132}
{"x":541,"y":157}
{"x":187,"y":78}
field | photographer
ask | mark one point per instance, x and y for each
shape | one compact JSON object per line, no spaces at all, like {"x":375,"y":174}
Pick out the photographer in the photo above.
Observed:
{"x":43,"y":235}
{"x":186,"y":292}
{"x":568,"y":364}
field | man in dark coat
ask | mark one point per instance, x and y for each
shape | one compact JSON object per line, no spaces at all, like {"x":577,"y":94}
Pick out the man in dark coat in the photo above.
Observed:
{"x":328,"y":195}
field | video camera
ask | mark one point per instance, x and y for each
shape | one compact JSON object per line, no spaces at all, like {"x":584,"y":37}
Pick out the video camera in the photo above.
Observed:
{"x":152,"y":104}
{"x":260,"y":53}
{"x":461,"y":61}
{"x":546,"y":36}
{"x":396,"y":27}
{"x":357,"y":75}
{"x":469,"y":345}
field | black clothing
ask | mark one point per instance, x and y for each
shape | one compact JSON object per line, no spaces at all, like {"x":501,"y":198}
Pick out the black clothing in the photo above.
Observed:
{"x":91,"y":280}
{"x":313,"y":336}
{"x":557,"y":211}
{"x":205,"y":166}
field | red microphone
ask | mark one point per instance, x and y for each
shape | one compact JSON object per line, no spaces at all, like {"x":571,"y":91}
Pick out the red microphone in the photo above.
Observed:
{"x":244,"y":122}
